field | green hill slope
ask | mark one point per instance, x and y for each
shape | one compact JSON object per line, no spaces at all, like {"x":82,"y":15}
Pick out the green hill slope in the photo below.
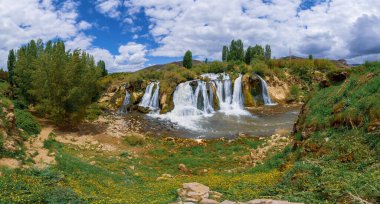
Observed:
{"x":337,"y":147}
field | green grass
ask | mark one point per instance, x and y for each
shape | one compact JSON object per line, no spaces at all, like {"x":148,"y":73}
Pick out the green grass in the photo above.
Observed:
{"x":338,"y":154}
{"x":27,"y":122}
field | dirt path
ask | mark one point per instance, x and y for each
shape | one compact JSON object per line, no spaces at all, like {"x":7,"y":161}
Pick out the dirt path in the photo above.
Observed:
{"x":35,"y":149}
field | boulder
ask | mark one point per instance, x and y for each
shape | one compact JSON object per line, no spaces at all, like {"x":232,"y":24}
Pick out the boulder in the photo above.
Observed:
{"x":208,"y":201}
{"x":182,"y":167}
{"x":193,"y":192}
{"x":269,"y":201}
{"x":228,"y":202}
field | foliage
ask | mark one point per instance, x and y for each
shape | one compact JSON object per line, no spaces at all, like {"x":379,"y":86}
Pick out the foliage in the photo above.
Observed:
{"x":188,"y":60}
{"x":268,"y":52}
{"x":134,"y":139}
{"x":338,"y":143}
{"x":27,"y":122}
{"x":294,"y":93}
{"x":3,"y":75}
{"x":102,"y":66}
{"x":11,"y":63}
{"x":225,"y":53}
{"x":60,"y":84}
{"x":93,"y":112}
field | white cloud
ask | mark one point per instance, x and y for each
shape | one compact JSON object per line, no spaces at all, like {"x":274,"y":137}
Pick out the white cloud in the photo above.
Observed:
{"x":131,"y":57}
{"x":205,"y":25}
{"x":109,"y":8}
{"x":84,"y":25}
{"x":24,"y":20}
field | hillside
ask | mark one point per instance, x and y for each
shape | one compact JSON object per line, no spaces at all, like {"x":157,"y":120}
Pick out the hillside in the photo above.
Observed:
{"x":337,"y":147}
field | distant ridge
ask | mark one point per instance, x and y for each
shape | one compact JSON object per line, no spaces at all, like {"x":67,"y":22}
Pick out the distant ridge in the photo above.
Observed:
{"x":178,"y":63}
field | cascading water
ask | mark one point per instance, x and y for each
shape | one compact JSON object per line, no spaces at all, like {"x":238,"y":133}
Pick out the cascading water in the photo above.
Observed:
{"x":190,"y":105}
{"x":230,"y":102}
{"x":126,"y":102}
{"x":266,"y":96}
{"x":151,"y":99}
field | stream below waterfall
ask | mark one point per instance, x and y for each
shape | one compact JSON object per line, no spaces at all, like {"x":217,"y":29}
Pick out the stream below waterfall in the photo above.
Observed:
{"x":262,"y":121}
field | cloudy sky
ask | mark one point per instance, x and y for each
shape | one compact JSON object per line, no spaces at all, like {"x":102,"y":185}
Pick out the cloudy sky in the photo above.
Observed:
{"x":132,"y":34}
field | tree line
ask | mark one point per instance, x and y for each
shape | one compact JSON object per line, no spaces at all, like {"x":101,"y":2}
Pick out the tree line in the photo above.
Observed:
{"x":236,"y":52}
{"x":59,"y":83}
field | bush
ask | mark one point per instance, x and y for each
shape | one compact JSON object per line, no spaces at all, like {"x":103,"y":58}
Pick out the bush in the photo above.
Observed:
{"x":27,"y":122}
{"x":294,"y":93}
{"x":135,"y":139}
{"x":93,"y":112}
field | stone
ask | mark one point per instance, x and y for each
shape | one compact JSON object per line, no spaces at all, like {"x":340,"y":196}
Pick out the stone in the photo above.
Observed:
{"x":215,"y":195}
{"x":92,"y":162}
{"x":269,"y":201}
{"x":182,"y":167}
{"x":193,"y":192}
{"x":164,"y":177}
{"x":208,"y":201}
{"x":228,"y":202}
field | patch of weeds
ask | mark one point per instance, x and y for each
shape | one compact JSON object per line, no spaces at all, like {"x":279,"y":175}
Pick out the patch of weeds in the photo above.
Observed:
{"x":134,"y":140}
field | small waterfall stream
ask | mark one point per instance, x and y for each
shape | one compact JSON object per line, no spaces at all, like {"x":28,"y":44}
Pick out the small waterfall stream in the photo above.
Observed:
{"x":266,"y":97}
{"x":151,"y":99}
{"x":126,"y":102}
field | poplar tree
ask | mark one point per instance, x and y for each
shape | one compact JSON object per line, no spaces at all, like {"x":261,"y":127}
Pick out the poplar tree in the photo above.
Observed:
{"x":188,"y":60}
{"x":11,"y":65}
{"x":268,"y":52}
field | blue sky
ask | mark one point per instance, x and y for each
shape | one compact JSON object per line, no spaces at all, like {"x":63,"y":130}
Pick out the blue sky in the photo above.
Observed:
{"x":132,"y":34}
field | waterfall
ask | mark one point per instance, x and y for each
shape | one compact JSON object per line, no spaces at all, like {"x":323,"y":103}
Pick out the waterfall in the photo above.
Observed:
{"x":151,"y":99}
{"x":190,"y":105}
{"x":154,"y":102}
{"x":126,"y":102}
{"x":266,"y":96}
{"x":237,"y":99}
{"x":231,"y":102}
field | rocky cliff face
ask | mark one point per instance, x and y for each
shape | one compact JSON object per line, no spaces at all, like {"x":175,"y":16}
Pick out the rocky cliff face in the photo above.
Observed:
{"x":10,"y":136}
{"x":279,"y":91}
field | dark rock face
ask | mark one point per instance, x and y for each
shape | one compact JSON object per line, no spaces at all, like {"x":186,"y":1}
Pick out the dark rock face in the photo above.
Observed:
{"x":324,"y":83}
{"x":338,"y":76}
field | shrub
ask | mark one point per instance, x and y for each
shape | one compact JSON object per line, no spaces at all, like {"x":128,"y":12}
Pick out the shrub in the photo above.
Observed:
{"x":93,"y":112}
{"x":294,"y":93}
{"x":27,"y":122}
{"x":135,"y":139}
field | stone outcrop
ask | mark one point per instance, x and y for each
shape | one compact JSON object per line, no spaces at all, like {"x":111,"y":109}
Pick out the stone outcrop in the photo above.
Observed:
{"x":193,"y":193}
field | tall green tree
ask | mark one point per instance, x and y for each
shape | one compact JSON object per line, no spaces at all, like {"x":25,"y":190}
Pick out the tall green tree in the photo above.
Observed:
{"x":236,"y":51}
{"x":258,"y":52}
{"x":188,"y":59}
{"x":102,"y":66}
{"x":267,"y":52}
{"x":310,"y":57}
{"x":225,"y":53}
{"x":61,"y":84}
{"x":11,"y":65}
{"x":249,"y":55}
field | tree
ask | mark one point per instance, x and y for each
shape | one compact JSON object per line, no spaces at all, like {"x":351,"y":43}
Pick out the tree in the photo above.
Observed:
{"x":61,"y":84}
{"x":268,"y":52}
{"x":236,"y":51}
{"x":188,"y":60}
{"x":11,"y":65}
{"x":258,"y":52}
{"x":206,"y":60}
{"x":248,"y":55}
{"x":310,"y":57}
{"x":225,"y":53}
{"x":102,"y":66}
